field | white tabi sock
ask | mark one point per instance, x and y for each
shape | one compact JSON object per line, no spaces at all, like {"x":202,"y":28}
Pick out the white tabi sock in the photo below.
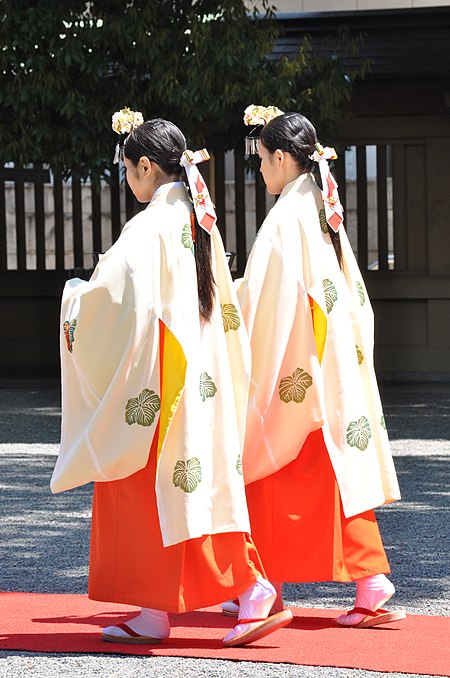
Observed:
{"x":371,"y":593}
{"x":231,"y":607}
{"x":151,"y":623}
{"x":255,"y":603}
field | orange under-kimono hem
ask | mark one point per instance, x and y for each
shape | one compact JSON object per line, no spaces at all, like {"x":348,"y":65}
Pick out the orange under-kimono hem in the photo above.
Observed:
{"x":129,"y":564}
{"x":299,"y":527}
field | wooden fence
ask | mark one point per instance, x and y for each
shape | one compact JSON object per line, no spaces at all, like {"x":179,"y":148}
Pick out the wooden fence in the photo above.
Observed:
{"x":392,"y":218}
{"x":51,"y":220}
{"x":39,"y":178}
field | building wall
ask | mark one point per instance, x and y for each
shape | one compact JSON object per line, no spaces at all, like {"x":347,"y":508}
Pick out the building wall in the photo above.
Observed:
{"x":348,"y":5}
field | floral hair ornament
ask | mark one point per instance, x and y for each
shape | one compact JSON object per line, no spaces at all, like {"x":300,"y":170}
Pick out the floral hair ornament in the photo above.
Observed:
{"x":124,"y":122}
{"x":203,"y":206}
{"x":259,"y":116}
{"x":334,"y":211}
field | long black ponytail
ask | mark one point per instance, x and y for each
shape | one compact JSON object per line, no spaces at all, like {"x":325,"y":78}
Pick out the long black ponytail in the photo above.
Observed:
{"x":203,"y":262}
{"x":163,"y":142}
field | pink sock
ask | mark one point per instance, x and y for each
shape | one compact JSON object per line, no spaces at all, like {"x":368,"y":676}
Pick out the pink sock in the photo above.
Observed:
{"x":255,"y":603}
{"x":257,"y":600}
{"x":372,"y":592}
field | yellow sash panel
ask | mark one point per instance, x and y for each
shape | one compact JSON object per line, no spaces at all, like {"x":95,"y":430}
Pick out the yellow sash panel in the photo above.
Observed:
{"x":173,"y":374}
{"x":320,"y":327}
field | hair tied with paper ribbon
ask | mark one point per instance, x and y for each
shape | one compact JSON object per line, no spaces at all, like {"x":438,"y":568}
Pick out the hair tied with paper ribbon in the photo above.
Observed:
{"x":334,"y":212}
{"x":203,"y":206}
{"x":124,"y":122}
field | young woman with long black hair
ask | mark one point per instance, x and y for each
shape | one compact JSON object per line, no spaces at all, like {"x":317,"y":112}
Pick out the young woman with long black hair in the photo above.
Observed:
{"x":155,"y":369}
{"x":317,"y":459}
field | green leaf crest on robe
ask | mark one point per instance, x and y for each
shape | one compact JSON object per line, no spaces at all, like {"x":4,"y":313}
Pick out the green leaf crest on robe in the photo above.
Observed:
{"x":331,"y":294}
{"x":230,"y":317}
{"x":359,"y":354}
{"x":142,"y":410}
{"x":323,"y":221}
{"x":361,"y":293}
{"x":186,"y":238}
{"x":359,"y":433}
{"x":293,"y":388}
{"x":208,"y":389}
{"x":187,"y":474}
{"x":239,"y":464}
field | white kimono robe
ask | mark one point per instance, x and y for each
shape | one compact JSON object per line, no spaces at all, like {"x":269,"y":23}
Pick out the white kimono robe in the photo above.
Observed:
{"x":306,"y":375}
{"x":110,"y":359}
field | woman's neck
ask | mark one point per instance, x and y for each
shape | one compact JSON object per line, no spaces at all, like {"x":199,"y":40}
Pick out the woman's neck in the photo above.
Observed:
{"x":293,"y":175}
{"x":163,"y":179}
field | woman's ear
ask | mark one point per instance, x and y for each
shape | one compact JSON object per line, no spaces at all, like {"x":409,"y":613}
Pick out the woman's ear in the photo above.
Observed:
{"x":146,"y":165}
{"x":279,"y":157}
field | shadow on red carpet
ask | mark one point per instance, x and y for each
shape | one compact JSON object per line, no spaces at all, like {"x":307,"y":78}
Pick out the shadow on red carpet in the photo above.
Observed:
{"x":66,"y":623}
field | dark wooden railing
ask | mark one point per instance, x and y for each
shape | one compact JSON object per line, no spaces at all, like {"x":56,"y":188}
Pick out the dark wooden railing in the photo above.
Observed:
{"x":48,"y":229}
{"x":88,"y":231}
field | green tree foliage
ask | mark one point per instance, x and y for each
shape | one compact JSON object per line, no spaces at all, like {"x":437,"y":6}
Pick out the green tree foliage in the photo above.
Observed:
{"x":66,"y":66}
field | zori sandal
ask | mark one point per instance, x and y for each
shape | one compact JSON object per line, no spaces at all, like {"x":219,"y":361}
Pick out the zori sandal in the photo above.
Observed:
{"x":370,"y":618}
{"x":122,"y":633}
{"x":254,"y":629}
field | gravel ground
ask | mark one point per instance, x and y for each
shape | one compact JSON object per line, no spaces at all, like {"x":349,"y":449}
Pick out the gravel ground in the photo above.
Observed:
{"x":44,"y":539}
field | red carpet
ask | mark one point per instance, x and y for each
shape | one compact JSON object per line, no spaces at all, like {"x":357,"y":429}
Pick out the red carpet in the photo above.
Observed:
{"x":38,"y":622}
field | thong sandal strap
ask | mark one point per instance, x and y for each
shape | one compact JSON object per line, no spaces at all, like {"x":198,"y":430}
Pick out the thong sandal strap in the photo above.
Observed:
{"x":128,"y":630}
{"x":368,"y":613}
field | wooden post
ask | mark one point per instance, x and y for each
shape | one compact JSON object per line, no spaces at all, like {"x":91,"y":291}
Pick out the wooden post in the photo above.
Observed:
{"x":39,"y":219}
{"x":115,"y":203}
{"x":361,"y":201}
{"x":3,"y":240}
{"x":382,"y":221}
{"x":77,"y":217}
{"x":60,"y":263}
{"x":219,"y":182}
{"x":96,"y":216}
{"x":239,"y":196}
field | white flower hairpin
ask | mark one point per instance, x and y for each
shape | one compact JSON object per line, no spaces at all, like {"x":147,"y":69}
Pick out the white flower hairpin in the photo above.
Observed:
{"x":124,"y":122}
{"x":258,"y":115}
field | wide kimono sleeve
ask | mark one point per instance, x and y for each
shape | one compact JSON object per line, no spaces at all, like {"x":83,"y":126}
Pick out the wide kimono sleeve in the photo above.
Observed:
{"x":110,"y":376}
{"x":285,"y":401}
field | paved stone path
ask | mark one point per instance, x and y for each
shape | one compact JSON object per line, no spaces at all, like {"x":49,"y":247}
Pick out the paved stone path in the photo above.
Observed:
{"x":44,"y":539}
